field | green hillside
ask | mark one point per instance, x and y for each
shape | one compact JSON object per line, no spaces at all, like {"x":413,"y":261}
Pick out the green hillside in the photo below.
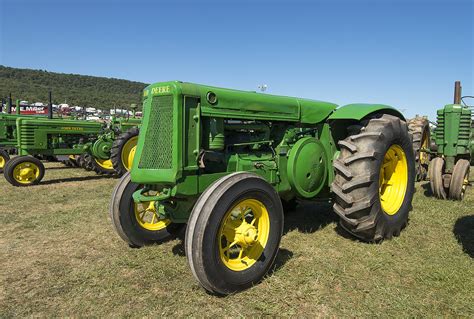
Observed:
{"x":74,"y":89}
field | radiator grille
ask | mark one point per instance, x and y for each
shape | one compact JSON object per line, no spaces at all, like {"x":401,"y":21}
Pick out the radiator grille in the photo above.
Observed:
{"x":158,"y":149}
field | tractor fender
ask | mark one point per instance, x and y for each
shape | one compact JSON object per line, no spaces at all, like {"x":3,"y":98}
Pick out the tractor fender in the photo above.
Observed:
{"x":359,"y":111}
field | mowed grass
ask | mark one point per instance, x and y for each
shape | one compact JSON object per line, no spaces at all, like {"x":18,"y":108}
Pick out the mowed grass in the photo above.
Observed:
{"x":59,"y":256}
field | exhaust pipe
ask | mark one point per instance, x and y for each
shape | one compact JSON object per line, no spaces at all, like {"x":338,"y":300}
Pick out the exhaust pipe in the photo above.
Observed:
{"x":18,"y":111}
{"x":457,"y":92}
{"x":10,"y":102}
{"x":50,"y":106}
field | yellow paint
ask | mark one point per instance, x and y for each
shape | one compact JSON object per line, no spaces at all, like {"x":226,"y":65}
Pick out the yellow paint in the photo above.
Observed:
{"x":2,"y":162}
{"x":393,"y":180}
{"x":128,"y":152}
{"x":70,"y":128}
{"x":26,"y":173}
{"x":243,"y":234}
{"x":107,"y":164}
{"x":161,"y":89}
{"x":148,"y":218}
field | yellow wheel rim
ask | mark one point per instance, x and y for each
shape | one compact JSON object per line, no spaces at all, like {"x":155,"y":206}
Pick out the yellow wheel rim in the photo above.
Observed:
{"x":107,"y":164}
{"x":128,"y":152}
{"x":72,"y":157}
{"x":148,"y":218}
{"x":393,"y":179}
{"x":2,"y":162}
{"x":26,"y":173}
{"x":243,"y":234}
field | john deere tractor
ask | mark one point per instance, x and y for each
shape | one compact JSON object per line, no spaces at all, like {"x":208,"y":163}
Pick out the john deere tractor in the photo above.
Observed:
{"x":419,"y":127}
{"x":454,"y":138}
{"x":53,"y":138}
{"x":8,"y":136}
{"x":225,"y":162}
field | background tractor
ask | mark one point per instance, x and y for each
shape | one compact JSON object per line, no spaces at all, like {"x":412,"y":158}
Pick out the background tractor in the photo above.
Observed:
{"x":419,"y":127}
{"x":226,"y":162}
{"x":8,"y":135}
{"x":454,"y":139}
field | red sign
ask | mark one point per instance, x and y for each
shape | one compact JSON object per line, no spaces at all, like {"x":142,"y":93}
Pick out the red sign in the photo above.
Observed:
{"x":31,"y":110}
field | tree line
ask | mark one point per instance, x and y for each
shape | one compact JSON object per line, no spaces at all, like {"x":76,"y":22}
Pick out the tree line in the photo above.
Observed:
{"x":73,"y":89}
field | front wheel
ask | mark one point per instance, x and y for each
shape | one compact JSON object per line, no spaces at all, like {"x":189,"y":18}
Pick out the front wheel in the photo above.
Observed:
{"x":234,"y":233}
{"x":459,"y":180}
{"x":138,"y":224}
{"x":375,"y":176}
{"x":4,"y":158}
{"x":24,"y":171}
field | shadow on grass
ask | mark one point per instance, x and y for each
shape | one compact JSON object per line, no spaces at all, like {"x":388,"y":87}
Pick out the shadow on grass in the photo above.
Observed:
{"x":464,"y":231}
{"x":74,"y":179}
{"x":308,"y":217}
{"x":427,"y":189}
{"x":60,"y":167}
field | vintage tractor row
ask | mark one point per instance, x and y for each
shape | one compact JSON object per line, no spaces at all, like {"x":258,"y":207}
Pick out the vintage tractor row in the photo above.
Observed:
{"x":92,"y":145}
{"x":454,"y":149}
{"x":225,"y":162}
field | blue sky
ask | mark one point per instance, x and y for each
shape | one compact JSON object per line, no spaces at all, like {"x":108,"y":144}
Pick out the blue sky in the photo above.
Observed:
{"x":403,"y":53}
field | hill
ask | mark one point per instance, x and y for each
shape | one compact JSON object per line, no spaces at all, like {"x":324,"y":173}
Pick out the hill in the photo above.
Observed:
{"x":74,"y":89}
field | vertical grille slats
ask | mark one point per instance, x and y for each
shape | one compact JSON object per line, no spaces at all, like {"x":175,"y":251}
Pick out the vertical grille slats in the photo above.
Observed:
{"x":158,"y":148}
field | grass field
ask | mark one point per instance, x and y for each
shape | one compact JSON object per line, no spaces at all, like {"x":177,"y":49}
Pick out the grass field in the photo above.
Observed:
{"x":59,"y":256}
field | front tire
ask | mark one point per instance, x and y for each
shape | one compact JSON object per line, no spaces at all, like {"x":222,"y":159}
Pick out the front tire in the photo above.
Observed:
{"x":23,"y":171}
{"x":436,"y":178}
{"x":234,"y":233}
{"x":138,"y":224}
{"x":375,"y":175}
{"x":459,"y":180}
{"x":4,"y":158}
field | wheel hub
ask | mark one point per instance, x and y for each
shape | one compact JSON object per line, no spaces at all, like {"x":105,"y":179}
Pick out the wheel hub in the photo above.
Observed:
{"x":27,"y":173}
{"x":246,"y":235}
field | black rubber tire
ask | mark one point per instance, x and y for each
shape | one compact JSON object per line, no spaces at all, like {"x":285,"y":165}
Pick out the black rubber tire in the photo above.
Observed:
{"x":117,"y":149}
{"x":124,"y":221}
{"x":419,"y":127}
{"x":80,"y":161}
{"x":4,"y":159}
{"x":436,"y":171}
{"x":92,"y":165}
{"x":457,"y":186}
{"x":12,"y":163}
{"x":201,"y":244}
{"x":356,"y":183}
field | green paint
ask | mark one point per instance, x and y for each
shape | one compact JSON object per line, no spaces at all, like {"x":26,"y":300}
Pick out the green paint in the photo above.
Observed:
{"x":454,"y":134}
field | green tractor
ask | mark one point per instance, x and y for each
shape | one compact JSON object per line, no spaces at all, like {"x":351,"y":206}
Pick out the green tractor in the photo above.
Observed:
{"x":454,"y":139}
{"x":8,"y":136}
{"x":56,"y":137}
{"x":227,"y":162}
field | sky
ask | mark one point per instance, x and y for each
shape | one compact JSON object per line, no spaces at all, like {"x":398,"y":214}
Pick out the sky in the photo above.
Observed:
{"x":402,"y":53}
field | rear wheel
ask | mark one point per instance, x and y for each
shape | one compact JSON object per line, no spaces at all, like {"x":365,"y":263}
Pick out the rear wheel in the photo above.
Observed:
{"x":24,"y":171}
{"x":138,"y":224}
{"x":123,"y":151}
{"x":436,"y":178}
{"x":375,"y":175}
{"x":419,"y":127}
{"x":100,"y":166}
{"x":4,"y":158}
{"x":234,"y":232}
{"x":459,"y":180}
